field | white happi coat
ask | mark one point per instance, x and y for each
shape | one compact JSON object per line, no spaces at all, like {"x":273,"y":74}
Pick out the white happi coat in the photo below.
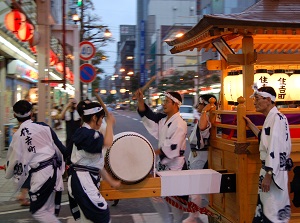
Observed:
{"x":171,"y":136}
{"x":275,"y":149}
{"x":90,"y":159}
{"x":31,"y":144}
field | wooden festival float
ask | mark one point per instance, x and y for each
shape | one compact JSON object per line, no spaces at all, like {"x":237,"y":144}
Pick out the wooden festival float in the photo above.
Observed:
{"x":261,"y":44}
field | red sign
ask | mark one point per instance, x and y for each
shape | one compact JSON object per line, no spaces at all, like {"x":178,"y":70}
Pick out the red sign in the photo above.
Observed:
{"x":87,"y":73}
{"x":87,"y":50}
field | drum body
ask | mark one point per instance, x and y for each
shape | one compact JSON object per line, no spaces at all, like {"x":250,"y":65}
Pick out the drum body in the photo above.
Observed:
{"x":130,"y":158}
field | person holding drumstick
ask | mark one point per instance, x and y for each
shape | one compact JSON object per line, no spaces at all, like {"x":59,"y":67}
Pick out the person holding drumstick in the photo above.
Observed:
{"x":171,"y":131}
{"x":87,"y":166}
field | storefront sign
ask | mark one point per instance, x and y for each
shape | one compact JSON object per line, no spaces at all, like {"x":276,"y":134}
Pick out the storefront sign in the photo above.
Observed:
{"x":22,"y":70}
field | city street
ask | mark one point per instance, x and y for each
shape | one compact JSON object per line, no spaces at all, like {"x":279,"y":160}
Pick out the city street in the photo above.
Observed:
{"x":127,"y":211}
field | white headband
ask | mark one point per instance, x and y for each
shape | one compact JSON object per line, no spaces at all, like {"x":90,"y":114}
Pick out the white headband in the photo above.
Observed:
{"x":23,"y":116}
{"x":202,"y":101}
{"x":92,"y":111}
{"x":172,"y":98}
{"x":261,"y":93}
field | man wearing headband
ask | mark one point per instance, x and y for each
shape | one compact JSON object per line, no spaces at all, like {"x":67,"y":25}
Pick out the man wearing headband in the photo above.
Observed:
{"x":170,"y":130}
{"x":199,"y":149}
{"x":87,"y":162}
{"x":35,"y":146}
{"x":275,"y":147}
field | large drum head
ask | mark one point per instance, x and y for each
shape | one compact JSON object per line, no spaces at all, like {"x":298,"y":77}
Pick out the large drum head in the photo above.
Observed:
{"x":130,"y":158}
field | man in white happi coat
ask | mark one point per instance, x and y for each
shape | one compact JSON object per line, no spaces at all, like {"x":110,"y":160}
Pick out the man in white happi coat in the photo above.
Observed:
{"x":275,"y":147}
{"x":36,"y":150}
{"x":170,"y":130}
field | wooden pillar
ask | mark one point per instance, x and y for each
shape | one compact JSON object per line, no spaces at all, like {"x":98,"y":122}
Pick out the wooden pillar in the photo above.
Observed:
{"x":248,"y":70}
{"x":242,"y":162}
{"x":43,"y":10}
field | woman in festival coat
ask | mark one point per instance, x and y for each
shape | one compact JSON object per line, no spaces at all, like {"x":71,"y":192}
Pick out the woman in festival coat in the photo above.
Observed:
{"x":87,"y":166}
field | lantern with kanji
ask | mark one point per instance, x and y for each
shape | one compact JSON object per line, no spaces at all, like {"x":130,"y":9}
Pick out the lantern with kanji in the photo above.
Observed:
{"x":26,"y":33}
{"x":15,"y":20}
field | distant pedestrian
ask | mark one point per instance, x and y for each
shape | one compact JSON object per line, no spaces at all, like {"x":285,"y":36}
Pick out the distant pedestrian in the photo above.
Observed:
{"x":55,"y":116}
{"x":35,"y":150}
{"x":72,"y":119}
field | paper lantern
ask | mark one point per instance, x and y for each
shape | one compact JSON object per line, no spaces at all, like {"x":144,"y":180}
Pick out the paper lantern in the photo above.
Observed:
{"x":70,"y":76}
{"x":33,"y":50}
{"x":279,"y":81}
{"x":233,"y":86}
{"x":60,"y":67}
{"x":26,"y":33}
{"x":53,"y":59}
{"x":262,"y":78}
{"x":35,"y":39}
{"x":14,"y":20}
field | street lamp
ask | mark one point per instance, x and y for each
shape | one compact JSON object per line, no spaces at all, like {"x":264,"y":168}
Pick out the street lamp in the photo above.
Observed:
{"x":75,"y":18}
{"x":107,"y":33}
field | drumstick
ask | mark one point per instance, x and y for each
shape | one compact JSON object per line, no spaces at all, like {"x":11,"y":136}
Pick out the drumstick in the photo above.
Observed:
{"x":147,"y":85}
{"x":101,"y":103}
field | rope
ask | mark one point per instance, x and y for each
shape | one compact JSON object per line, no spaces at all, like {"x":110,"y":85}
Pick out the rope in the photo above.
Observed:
{"x":190,"y":206}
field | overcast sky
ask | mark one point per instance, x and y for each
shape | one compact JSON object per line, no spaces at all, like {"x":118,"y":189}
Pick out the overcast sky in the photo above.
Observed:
{"x":114,"y":13}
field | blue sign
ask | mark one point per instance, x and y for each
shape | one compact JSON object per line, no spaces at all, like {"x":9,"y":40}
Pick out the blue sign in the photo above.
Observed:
{"x":142,"y":54}
{"x":87,"y":73}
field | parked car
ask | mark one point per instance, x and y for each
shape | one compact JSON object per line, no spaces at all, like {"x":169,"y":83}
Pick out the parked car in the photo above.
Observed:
{"x":189,"y":114}
{"x":122,"y":106}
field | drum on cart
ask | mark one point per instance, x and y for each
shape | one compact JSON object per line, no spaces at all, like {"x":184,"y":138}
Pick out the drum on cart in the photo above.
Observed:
{"x":130,"y":158}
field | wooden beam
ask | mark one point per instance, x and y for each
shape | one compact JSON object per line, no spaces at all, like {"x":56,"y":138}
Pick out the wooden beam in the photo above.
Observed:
{"x":149,"y":187}
{"x":278,"y":59}
{"x":235,"y":59}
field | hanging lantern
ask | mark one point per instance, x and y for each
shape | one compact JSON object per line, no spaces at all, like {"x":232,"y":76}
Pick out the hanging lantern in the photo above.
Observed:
{"x":33,"y":50}
{"x":279,"y":81}
{"x":233,"y":86}
{"x":35,"y":39}
{"x":53,"y":59}
{"x":70,"y":77}
{"x":60,"y":67}
{"x":14,"y":20}
{"x":262,"y":78}
{"x":293,"y":83}
{"x":26,"y":33}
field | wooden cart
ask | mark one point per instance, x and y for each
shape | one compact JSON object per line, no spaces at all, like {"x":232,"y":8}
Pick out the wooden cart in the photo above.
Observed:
{"x":265,"y":36}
